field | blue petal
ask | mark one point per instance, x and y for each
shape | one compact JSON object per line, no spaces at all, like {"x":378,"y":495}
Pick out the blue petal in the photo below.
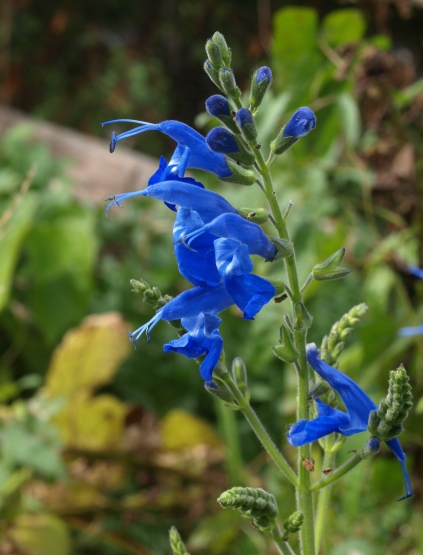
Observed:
{"x":416,"y":271}
{"x":201,"y":157}
{"x":250,"y":293}
{"x":395,"y":446}
{"x":306,"y":431}
{"x":233,"y":226}
{"x":203,"y":298}
{"x":220,"y":140}
{"x":202,"y":338}
{"x":405,"y":332}
{"x":217,"y":105}
{"x":358,"y":404}
{"x":300,"y":124}
{"x":232,"y":258}
{"x":264,"y":73}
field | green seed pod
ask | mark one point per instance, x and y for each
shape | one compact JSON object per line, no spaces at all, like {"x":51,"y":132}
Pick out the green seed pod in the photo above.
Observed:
{"x":239,"y":175}
{"x":256,"y":215}
{"x":330,"y":269}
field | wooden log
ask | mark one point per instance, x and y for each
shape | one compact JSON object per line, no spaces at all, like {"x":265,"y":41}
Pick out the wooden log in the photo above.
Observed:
{"x":97,"y":173}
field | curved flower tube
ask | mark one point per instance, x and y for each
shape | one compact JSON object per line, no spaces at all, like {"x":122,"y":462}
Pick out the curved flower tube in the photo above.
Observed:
{"x":355,"y":420}
{"x":192,"y":149}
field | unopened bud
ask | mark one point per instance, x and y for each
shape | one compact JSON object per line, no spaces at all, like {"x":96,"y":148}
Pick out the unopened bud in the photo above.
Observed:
{"x":225,"y":51}
{"x":214,"y":55}
{"x":239,"y":372}
{"x":300,"y":124}
{"x":212,"y":73}
{"x":246,"y":123}
{"x":330,"y":269}
{"x":255,"y":504}
{"x":220,"y":140}
{"x":139,"y":286}
{"x":286,"y":351}
{"x":371,"y":448}
{"x":218,"y":107}
{"x":293,"y":524}
{"x":228,"y":83}
{"x":260,"y":82}
{"x":176,"y":544}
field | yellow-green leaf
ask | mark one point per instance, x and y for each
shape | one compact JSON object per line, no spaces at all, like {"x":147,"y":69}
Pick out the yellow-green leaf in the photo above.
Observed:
{"x":181,"y":430}
{"x":40,"y":534}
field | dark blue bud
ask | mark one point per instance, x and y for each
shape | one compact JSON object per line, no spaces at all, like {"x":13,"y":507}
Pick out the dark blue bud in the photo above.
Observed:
{"x":300,"y":124}
{"x":245,"y":120}
{"x":243,"y":117}
{"x":217,"y":106}
{"x":264,"y":73}
{"x":221,"y":141}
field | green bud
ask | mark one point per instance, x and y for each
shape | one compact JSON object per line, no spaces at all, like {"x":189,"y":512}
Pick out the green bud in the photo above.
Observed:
{"x":239,"y":175}
{"x":386,"y":423}
{"x":213,"y":74}
{"x":280,"y":143}
{"x":228,"y":83}
{"x":214,"y":55}
{"x":303,"y":317}
{"x":244,"y":156}
{"x":256,"y":215}
{"x":176,"y":544}
{"x":221,"y":391}
{"x":333,"y":344}
{"x":229,"y":122}
{"x":293,"y":523}
{"x":139,"y":287}
{"x":260,"y":82}
{"x":318,"y":389}
{"x":330,"y":269}
{"x":286,"y":351}
{"x":239,"y":372}
{"x":255,"y":504}
{"x":245,"y":120}
{"x":225,"y":51}
{"x":283,"y":246}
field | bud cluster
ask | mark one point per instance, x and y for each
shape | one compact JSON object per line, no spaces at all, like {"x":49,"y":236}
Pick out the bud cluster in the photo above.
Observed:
{"x":255,"y":505}
{"x":386,"y":422}
{"x":292,"y":524}
{"x":150,"y":295}
{"x":176,"y":544}
{"x":334,"y":343}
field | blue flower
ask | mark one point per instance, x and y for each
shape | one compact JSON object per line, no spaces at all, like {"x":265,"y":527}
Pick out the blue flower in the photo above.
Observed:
{"x":416,"y":271}
{"x":192,"y":150}
{"x":202,"y":339}
{"x":300,"y":124}
{"x":329,"y":420}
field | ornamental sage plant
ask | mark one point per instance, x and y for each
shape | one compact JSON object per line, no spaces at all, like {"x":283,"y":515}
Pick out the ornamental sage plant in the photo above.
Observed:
{"x":213,"y":244}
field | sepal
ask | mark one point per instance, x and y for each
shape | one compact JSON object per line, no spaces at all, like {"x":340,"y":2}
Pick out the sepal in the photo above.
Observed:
{"x":330,"y":269}
{"x":214,"y":54}
{"x":212,"y":73}
{"x":256,"y":215}
{"x":239,"y":373}
{"x":371,"y":447}
{"x":284,"y":247}
{"x":225,"y":51}
{"x":228,"y":83}
{"x":239,"y":175}
{"x":303,"y":317}
{"x":318,"y":389}
{"x":260,"y":82}
{"x":281,"y":143}
{"x":220,"y":391}
{"x":286,"y":351}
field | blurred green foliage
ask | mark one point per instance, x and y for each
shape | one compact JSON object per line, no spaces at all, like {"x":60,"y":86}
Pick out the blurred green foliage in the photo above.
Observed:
{"x":61,"y":260}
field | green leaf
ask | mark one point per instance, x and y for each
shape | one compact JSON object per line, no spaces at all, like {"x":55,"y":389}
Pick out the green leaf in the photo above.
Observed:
{"x":295,"y":31}
{"x":41,"y":534}
{"x":343,"y":26}
{"x":12,"y":235}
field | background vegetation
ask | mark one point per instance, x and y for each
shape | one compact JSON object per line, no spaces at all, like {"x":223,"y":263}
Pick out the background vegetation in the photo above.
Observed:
{"x":92,"y":455}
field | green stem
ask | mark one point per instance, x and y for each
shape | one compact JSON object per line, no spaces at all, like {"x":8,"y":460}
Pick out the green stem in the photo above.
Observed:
{"x":282,"y":545}
{"x":229,"y":430}
{"x":323,"y":503}
{"x":304,"y":496}
{"x":338,"y":473}
{"x":260,"y":431}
